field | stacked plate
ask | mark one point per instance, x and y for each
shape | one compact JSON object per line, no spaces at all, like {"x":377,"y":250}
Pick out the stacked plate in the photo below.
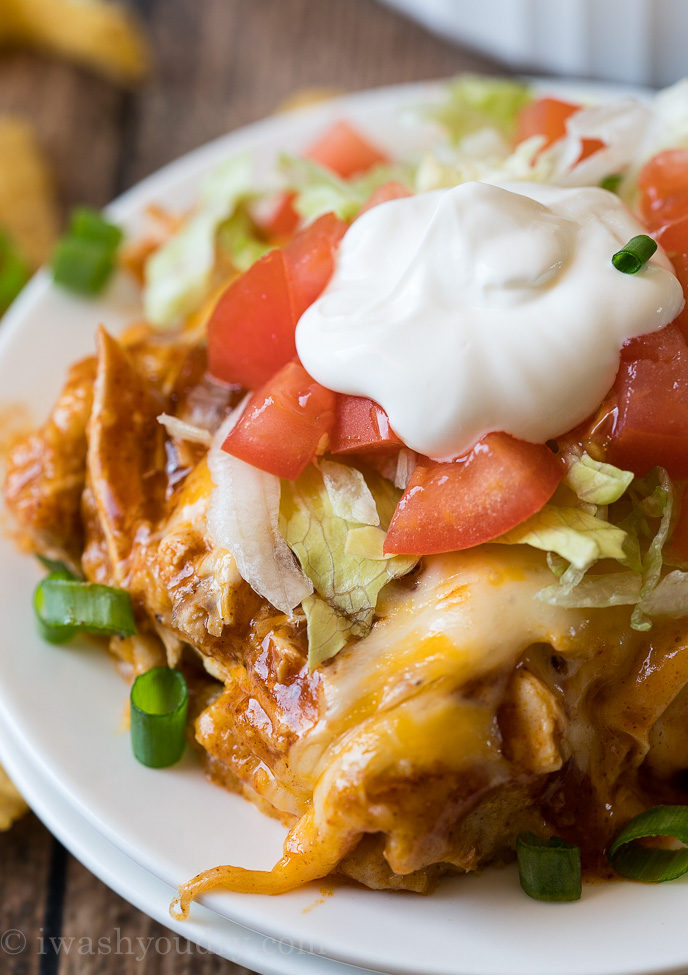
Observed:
{"x":145,"y":831}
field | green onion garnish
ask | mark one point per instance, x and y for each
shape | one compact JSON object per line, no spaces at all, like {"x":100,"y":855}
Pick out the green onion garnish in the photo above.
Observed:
{"x":53,"y":634}
{"x":14,"y":272}
{"x":644,"y":863}
{"x":65,"y":606}
{"x":84,"y":258}
{"x":635,"y":255}
{"x":82,"y":265}
{"x":549,"y":870}
{"x":89,"y":224}
{"x":159,"y":701}
{"x":52,"y":565}
{"x":612,"y":182}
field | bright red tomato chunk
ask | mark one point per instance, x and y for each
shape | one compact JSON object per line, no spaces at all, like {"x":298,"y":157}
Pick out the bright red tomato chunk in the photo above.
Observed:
{"x":360,"y":427}
{"x":343,"y":150}
{"x":673,"y":237}
{"x":474,"y":499}
{"x":663,"y":185}
{"x":679,"y":543}
{"x":547,"y":117}
{"x":309,"y":260}
{"x":385,"y":193}
{"x":284,"y":424}
{"x":651,"y":389}
{"x":251,"y":330}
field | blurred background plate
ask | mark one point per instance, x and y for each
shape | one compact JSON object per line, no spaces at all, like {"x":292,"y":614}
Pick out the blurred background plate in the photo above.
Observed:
{"x":635,"y":41}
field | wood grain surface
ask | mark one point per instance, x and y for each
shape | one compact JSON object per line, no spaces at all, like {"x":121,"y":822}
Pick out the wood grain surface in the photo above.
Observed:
{"x":219,"y":65}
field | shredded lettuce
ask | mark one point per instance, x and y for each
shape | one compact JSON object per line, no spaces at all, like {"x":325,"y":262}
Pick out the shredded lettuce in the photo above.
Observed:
{"x":669,"y":598}
{"x":238,"y":240}
{"x":642,"y":516}
{"x":367,"y":541}
{"x":476,"y":102}
{"x":177,"y":276}
{"x":596,"y":483}
{"x":318,"y":190}
{"x":575,"y":535}
{"x":346,"y":586}
{"x":596,"y":592}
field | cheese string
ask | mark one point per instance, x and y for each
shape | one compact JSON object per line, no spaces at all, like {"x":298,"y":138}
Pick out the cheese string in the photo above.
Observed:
{"x":309,"y":855}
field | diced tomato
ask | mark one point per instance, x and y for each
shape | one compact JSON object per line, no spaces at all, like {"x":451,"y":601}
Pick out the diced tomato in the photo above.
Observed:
{"x":673,"y":237}
{"x":284,"y":221}
{"x":361,"y":426}
{"x":652,"y":396}
{"x":251,"y":330}
{"x":497,"y":485}
{"x":309,"y":258}
{"x":680,"y":262}
{"x":547,"y":117}
{"x":679,"y":541}
{"x":663,"y":185}
{"x":345,"y":151}
{"x":284,"y":424}
{"x":383,"y":194}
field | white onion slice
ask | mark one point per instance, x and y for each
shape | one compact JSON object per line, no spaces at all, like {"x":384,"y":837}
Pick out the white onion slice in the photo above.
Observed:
{"x":243,"y":518}
{"x":181,"y":430}
{"x":407,"y":461}
{"x":349,"y":494}
{"x":621,"y":125}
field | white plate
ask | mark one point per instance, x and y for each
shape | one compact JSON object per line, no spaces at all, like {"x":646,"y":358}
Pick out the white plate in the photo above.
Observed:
{"x":206,"y":928}
{"x":65,"y":704}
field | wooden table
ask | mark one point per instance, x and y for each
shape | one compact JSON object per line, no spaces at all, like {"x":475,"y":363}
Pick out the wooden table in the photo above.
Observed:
{"x":220,"y":64}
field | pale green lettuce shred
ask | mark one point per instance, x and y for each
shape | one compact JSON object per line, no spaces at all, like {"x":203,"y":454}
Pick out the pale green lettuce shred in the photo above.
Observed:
{"x":669,"y":598}
{"x":595,"y":482}
{"x":346,"y":586}
{"x":596,"y":592}
{"x":177,"y":276}
{"x":475,"y":102}
{"x":237,"y":238}
{"x":367,"y":541}
{"x":646,"y":501}
{"x":659,"y":504}
{"x":575,"y":535}
{"x":318,"y":190}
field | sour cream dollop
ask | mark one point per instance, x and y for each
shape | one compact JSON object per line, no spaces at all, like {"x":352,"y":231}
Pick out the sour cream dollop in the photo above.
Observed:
{"x":482,"y":308}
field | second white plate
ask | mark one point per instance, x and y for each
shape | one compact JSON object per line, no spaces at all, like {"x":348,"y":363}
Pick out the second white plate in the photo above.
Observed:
{"x":66,"y":704}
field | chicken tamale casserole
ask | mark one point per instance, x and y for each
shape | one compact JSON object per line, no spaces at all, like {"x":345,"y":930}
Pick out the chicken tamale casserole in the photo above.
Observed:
{"x":382,"y":504}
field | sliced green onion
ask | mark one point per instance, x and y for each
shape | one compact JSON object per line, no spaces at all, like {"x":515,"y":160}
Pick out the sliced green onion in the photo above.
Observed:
{"x":53,"y":634}
{"x":612,"y":182}
{"x":644,"y":863}
{"x":53,"y":566}
{"x":85,"y":258}
{"x":82,"y":265}
{"x":89,"y":224}
{"x":635,"y":255}
{"x":65,"y":606}
{"x":159,"y":702}
{"x":14,"y":272}
{"x":549,"y":870}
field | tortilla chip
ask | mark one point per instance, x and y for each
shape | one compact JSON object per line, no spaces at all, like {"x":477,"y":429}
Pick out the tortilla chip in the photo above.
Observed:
{"x":28,"y":208}
{"x":303,"y":97}
{"x":12,"y":806}
{"x":98,"y":34}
